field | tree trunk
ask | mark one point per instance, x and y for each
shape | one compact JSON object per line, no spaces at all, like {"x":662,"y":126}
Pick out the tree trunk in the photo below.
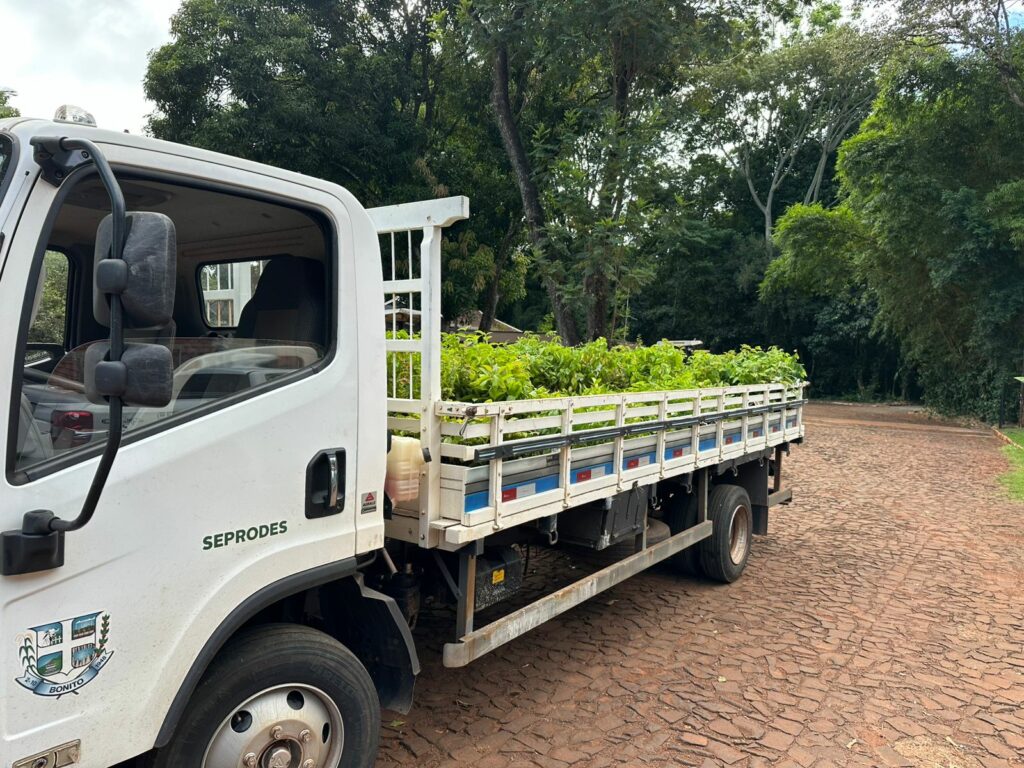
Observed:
{"x":766,"y":207}
{"x":490,"y":308}
{"x":565,"y":323}
{"x":599,"y":289}
{"x":814,"y":190}
{"x":596,"y":288}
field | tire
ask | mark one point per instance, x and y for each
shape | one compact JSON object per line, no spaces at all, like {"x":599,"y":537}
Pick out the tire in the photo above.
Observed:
{"x":657,"y":532}
{"x":723,"y":555}
{"x":680,"y":514}
{"x":289,"y":675}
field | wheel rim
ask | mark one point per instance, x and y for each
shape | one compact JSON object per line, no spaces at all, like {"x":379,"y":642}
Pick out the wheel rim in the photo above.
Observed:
{"x":287,"y":726}
{"x":739,"y":534}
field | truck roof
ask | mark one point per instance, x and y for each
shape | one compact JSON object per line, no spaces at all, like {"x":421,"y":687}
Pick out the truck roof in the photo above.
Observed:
{"x":24,"y":128}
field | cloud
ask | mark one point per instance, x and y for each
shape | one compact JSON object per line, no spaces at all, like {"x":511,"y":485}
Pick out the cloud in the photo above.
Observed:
{"x":92,"y":54}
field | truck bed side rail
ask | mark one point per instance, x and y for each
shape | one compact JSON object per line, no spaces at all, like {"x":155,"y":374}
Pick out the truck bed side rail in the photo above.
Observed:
{"x":508,"y":463}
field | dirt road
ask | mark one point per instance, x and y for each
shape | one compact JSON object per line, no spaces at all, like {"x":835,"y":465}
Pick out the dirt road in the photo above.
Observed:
{"x":881,"y":622}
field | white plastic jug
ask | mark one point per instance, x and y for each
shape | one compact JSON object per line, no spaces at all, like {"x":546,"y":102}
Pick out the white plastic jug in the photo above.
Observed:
{"x":404,"y":463}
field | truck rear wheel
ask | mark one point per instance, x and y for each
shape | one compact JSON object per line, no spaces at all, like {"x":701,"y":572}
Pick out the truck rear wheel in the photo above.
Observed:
{"x":279,"y":696}
{"x":723,"y":555}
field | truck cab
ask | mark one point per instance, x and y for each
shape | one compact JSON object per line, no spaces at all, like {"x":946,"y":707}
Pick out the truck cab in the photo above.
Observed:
{"x":248,"y":486}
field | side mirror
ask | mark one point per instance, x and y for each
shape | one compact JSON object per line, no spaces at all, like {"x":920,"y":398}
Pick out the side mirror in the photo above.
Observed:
{"x":143,"y":376}
{"x":144,"y":279}
{"x":145,"y":274}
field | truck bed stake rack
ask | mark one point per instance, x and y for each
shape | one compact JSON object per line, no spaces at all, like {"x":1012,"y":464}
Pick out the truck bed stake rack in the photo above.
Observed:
{"x":512,"y":450}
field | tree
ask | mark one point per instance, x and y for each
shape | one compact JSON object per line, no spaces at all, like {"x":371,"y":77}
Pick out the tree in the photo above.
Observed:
{"x":582,"y":93}
{"x":323,"y":89}
{"x":465,"y":149}
{"x":6,"y":110}
{"x":762,"y":109}
{"x":366,"y":95}
{"x":819,"y":290}
{"x":819,"y":250}
{"x":986,"y":27}
{"x":496,"y":26}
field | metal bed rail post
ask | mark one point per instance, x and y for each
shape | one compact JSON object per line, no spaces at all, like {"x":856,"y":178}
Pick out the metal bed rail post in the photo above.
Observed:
{"x":429,"y":217}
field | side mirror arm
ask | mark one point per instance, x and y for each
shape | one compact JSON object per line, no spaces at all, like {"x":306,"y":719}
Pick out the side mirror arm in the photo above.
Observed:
{"x":116,"y":431}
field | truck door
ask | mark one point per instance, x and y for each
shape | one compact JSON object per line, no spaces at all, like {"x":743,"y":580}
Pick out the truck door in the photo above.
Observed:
{"x":246,"y":479}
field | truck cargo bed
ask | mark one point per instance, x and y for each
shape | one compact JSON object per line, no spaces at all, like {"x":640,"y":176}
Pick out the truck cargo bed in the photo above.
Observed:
{"x":508,"y":463}
{"x":491,"y":466}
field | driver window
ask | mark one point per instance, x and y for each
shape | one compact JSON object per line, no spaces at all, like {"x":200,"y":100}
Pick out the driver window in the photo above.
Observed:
{"x":45,"y":347}
{"x":251,"y":308}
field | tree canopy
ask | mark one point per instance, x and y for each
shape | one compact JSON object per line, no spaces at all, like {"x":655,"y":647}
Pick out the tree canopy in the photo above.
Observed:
{"x":929,"y":224}
{"x":775,"y":172}
{"x":6,"y":110}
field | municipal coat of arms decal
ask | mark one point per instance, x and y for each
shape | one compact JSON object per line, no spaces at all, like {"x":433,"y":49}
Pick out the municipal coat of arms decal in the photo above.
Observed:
{"x":63,"y":656}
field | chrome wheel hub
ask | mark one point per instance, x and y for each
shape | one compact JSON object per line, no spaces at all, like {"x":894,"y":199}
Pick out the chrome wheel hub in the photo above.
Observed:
{"x":739,"y":534}
{"x":288,"y":726}
{"x":280,"y":757}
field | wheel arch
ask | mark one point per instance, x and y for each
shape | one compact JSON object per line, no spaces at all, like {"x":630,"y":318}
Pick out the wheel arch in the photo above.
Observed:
{"x":331,"y":598}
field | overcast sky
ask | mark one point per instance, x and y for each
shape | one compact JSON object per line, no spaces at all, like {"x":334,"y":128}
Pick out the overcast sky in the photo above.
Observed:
{"x":91,"y":53}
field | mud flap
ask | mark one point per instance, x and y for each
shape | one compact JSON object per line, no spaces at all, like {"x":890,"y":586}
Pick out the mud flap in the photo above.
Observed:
{"x":370,"y":625}
{"x":753,"y":478}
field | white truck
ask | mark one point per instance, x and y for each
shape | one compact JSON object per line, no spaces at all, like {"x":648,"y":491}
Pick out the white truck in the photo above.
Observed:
{"x":199,"y":564}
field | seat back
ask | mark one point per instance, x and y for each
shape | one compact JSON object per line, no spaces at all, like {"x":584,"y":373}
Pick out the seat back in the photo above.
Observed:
{"x":288,"y":304}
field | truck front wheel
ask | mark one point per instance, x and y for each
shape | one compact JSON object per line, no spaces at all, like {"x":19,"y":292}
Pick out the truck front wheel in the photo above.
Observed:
{"x":723,"y":555}
{"x":279,"y":696}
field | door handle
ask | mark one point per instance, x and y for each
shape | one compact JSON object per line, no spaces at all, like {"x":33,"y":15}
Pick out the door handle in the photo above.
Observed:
{"x":325,"y":483}
{"x":332,"y":469}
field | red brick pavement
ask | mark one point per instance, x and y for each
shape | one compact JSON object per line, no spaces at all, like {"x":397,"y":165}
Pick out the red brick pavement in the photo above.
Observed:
{"x":881,"y":622}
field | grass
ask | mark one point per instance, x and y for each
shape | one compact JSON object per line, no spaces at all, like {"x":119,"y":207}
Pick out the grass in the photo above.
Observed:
{"x":1013,"y":480}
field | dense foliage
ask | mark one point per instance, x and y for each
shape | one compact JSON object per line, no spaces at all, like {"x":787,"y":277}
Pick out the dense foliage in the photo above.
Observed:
{"x":475,"y":370}
{"x":930,"y":226}
{"x":780,"y":172}
{"x":48,"y":326}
